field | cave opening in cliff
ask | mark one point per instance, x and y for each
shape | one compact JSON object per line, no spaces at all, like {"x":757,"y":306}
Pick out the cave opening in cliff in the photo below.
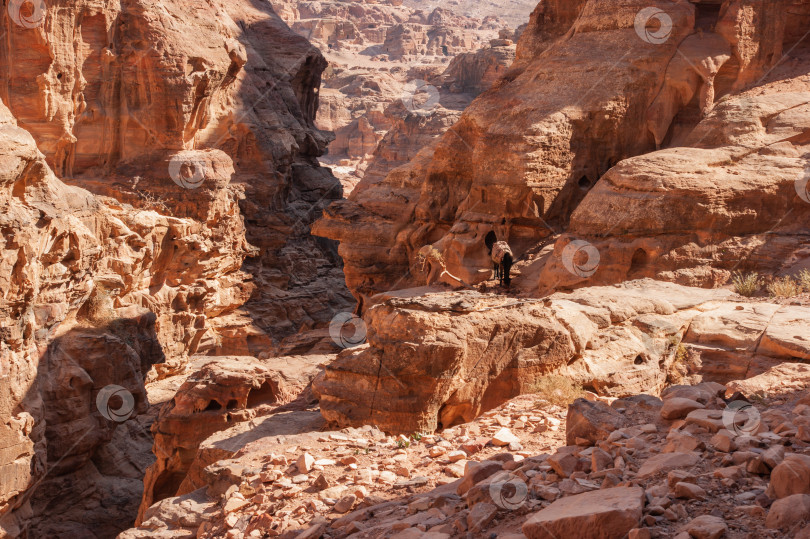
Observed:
{"x":166,"y":485}
{"x":490,"y":240}
{"x":584,"y":183}
{"x":706,"y":15}
{"x":639,"y":261}
{"x":213,"y":406}
{"x":266,"y":394}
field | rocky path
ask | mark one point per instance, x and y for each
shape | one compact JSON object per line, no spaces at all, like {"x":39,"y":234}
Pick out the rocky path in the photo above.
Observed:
{"x":688,"y":465}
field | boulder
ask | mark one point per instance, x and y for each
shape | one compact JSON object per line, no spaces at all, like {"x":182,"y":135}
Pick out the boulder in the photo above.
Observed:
{"x":791,"y":476}
{"x":504,"y":437}
{"x":602,"y":514}
{"x":678,"y":407}
{"x":592,"y":421}
{"x":706,"y":527}
{"x":475,"y":472}
{"x":786,"y":512}
{"x":666,"y":462}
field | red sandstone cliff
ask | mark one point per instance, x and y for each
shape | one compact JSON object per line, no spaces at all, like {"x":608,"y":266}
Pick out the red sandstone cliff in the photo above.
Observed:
{"x":156,"y":157}
{"x":549,"y":148}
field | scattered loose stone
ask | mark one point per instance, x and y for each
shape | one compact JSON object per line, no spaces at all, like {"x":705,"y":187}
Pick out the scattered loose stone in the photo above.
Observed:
{"x":706,"y":527}
{"x":609,"y":513}
{"x":678,"y":408}
{"x":305,"y":463}
{"x":504,"y":437}
{"x":345,"y":503}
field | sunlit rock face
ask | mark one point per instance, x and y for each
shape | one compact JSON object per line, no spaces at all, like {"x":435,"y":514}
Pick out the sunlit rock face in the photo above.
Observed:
{"x":542,"y":152}
{"x":440,"y":359}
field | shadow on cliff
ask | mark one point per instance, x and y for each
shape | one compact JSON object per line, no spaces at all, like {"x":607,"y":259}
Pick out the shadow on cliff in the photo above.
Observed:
{"x":91,"y":429}
{"x":299,"y":278}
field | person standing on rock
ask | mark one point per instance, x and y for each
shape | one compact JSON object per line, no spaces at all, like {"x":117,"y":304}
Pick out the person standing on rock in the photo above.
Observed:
{"x":502,"y":259}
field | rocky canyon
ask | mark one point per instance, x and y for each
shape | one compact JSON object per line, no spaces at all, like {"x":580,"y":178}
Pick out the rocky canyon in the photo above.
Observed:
{"x":247,"y":287}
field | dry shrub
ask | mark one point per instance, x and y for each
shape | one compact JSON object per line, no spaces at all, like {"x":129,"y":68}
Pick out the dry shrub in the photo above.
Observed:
{"x":785,"y":287}
{"x":680,"y":365}
{"x":429,"y":254}
{"x":746,"y":284}
{"x":804,"y":279}
{"x":558,"y":390}
{"x":100,"y":311}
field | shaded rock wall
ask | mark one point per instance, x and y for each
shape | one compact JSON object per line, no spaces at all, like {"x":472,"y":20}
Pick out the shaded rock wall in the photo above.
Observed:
{"x":112,"y":112}
{"x":148,"y":149}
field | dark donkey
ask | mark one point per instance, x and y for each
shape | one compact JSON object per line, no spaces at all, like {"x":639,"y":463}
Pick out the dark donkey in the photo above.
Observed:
{"x":502,"y":258}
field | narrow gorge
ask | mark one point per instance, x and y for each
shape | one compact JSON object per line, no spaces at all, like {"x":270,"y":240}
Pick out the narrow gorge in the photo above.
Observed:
{"x":247,"y":291}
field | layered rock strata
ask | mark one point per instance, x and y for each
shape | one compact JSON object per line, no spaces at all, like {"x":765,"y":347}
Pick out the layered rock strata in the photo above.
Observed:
{"x":436,"y":360}
{"x":141,"y":169}
{"x":566,"y":134}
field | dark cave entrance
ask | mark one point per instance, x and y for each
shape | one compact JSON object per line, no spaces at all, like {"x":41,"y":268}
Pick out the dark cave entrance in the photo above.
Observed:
{"x":265,"y":394}
{"x":490,"y":240}
{"x":584,"y":183}
{"x":706,"y":16}
{"x":639,"y":262}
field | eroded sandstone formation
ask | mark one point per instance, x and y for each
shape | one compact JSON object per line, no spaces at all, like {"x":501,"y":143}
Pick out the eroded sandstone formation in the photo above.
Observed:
{"x":565,"y":125}
{"x":730,"y":198}
{"x":59,"y":331}
{"x":440,"y":359}
{"x":156,"y":192}
{"x":236,"y":104}
{"x":386,"y":69}
{"x":226,"y":391}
